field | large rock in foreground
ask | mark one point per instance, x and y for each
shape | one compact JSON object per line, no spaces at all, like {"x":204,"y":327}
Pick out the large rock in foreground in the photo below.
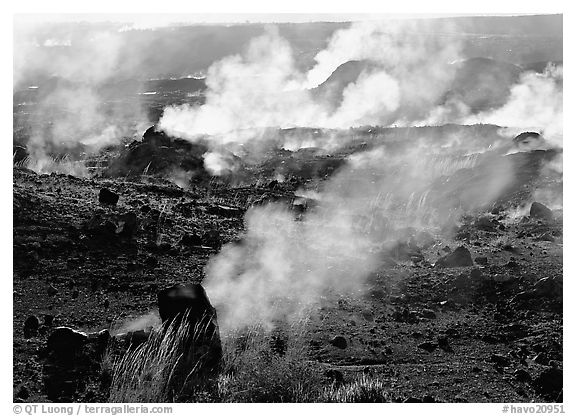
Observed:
{"x":187,"y":308}
{"x":540,"y":211}
{"x":460,"y":257}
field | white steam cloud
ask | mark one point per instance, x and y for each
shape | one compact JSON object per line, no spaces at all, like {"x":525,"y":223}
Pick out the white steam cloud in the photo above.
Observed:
{"x":285,"y":264}
{"x":70,"y":110}
{"x":263,"y":88}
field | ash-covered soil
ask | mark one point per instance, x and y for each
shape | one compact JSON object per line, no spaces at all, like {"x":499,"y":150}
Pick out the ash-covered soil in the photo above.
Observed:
{"x":433,"y":322}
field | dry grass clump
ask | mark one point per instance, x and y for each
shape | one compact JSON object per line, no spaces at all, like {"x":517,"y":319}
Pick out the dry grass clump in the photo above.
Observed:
{"x":158,"y":370}
{"x":363,"y":390}
{"x":268,"y":366}
{"x":259,"y":365}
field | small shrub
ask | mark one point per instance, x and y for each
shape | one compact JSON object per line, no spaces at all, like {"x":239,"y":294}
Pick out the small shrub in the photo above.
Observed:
{"x":363,"y":390}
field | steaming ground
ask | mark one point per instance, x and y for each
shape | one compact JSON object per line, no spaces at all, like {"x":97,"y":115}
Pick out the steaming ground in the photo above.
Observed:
{"x":343,"y":240}
{"x":337,"y":193}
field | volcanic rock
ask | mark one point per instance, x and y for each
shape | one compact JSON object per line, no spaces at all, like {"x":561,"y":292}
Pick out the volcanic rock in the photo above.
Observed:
{"x":522,"y":375}
{"x":540,"y":211}
{"x":460,"y":257}
{"x":444,"y":344}
{"x":48,"y":320}
{"x":339,"y":342}
{"x":64,"y":340}
{"x":106,"y":196}
{"x":23,"y":393}
{"x":52,"y":290}
{"x":500,"y":360}
{"x":428,"y":346}
{"x":189,"y":305}
{"x":428,"y":313}
{"x":547,"y":286}
{"x":31,"y":325}
{"x":550,"y":383}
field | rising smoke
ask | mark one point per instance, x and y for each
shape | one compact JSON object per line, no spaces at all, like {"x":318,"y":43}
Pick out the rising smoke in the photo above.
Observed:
{"x":284,"y":264}
{"x":72,"y":110}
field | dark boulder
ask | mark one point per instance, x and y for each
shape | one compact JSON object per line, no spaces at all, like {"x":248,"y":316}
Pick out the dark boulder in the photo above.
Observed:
{"x":460,"y":257}
{"x":64,"y":340}
{"x":540,"y":211}
{"x":548,"y":287}
{"x":500,"y":360}
{"x":189,"y":305}
{"x":428,"y":346}
{"x":339,"y":342}
{"x":106,"y":196}
{"x":549,"y":384}
{"x":31,"y":325}
{"x":522,"y":375}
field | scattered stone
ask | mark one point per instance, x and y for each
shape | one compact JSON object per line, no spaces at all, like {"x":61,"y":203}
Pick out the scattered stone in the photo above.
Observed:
{"x":339,"y":342}
{"x":428,"y":346}
{"x":549,"y":383}
{"x":540,"y":211}
{"x":64,"y":340}
{"x":444,"y":344}
{"x":500,"y":360}
{"x":106,"y":196}
{"x":460,"y":257}
{"x":52,"y":291}
{"x":31,"y":325}
{"x":522,"y":375}
{"x":48,"y":320}
{"x":23,"y":393}
{"x":428,"y":313}
{"x":482,"y":260}
{"x":547,"y":286}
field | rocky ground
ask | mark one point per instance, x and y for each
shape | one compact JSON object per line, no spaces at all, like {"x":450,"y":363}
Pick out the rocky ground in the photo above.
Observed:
{"x":476,"y":316}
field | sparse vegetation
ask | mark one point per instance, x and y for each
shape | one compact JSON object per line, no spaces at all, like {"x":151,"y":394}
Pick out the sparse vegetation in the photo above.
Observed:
{"x":259,"y":365}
